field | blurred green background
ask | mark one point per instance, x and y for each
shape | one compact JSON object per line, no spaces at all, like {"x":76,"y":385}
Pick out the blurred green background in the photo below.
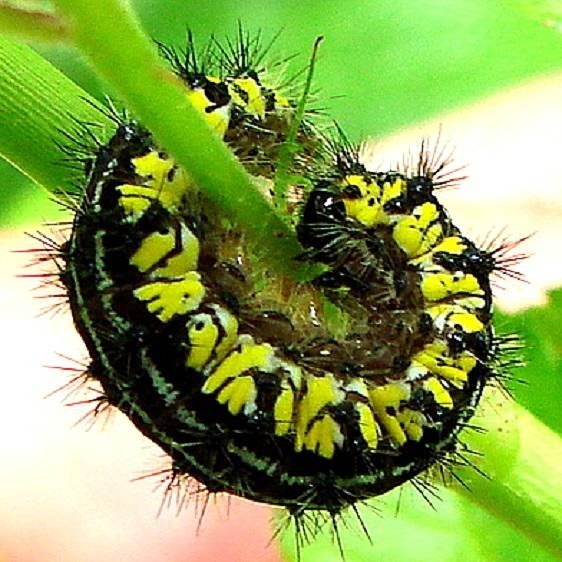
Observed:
{"x":384,"y":64}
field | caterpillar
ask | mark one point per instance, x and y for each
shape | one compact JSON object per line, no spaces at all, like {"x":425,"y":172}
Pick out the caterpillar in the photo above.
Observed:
{"x":241,"y":97}
{"x":309,"y":396}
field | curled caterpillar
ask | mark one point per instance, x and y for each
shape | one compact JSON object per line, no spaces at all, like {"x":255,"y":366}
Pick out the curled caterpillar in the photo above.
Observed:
{"x":175,"y":341}
{"x":310,"y":396}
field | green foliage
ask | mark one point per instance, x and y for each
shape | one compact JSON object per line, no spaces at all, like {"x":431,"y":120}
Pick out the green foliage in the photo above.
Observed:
{"x":541,"y":378}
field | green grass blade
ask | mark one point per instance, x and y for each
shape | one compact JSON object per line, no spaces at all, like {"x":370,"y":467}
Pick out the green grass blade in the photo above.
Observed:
{"x":38,"y":103}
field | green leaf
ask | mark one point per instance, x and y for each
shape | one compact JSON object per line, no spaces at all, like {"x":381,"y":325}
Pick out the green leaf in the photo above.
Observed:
{"x":541,"y":386}
{"x":546,"y":12}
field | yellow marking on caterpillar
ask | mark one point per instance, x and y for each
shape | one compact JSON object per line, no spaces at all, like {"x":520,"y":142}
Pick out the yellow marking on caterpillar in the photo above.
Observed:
{"x":283,"y":411}
{"x":466,"y":361}
{"x":238,"y":393}
{"x":390,"y":396}
{"x":157,"y":244}
{"x":392,"y":190}
{"x":468,"y":322}
{"x":453,"y":315}
{"x":204,"y":334}
{"x":218,"y":118}
{"x":284,"y":408}
{"x":454,"y":369}
{"x":412,"y":422}
{"x":155,"y":172}
{"x":186,"y":260}
{"x":323,"y":436}
{"x":247,"y":93}
{"x":320,"y":392}
{"x":453,"y":245}
{"x":229,"y":324}
{"x":168,"y":298}
{"x":367,"y":424}
{"x":281,"y":101}
{"x":153,"y":166}
{"x":366,"y":209}
{"x":135,"y":199}
{"x":438,"y":286}
{"x":418,"y":233}
{"x":152,"y":249}
{"x":440,"y":393}
{"x":250,"y":356}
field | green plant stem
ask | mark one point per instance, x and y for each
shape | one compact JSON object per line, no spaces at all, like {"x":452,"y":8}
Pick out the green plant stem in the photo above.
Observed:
{"x":30,"y":24}
{"x":126,"y":58}
{"x":290,"y":147}
{"x":522,"y":459}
